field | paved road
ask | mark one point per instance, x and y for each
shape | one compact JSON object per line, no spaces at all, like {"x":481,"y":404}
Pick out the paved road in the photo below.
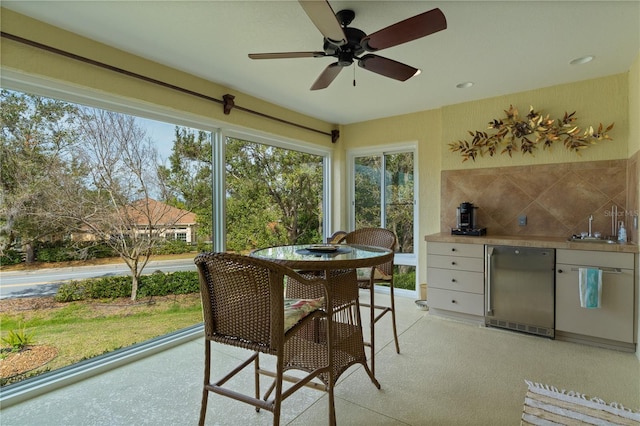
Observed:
{"x":45,"y":282}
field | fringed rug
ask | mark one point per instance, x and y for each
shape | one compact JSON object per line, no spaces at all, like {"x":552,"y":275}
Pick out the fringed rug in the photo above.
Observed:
{"x":546,"y":405}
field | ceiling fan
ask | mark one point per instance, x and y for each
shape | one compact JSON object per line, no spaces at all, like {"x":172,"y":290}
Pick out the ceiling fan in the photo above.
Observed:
{"x":348,"y":44}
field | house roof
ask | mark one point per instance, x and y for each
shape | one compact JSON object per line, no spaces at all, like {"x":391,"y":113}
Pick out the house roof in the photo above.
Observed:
{"x":161,"y":213}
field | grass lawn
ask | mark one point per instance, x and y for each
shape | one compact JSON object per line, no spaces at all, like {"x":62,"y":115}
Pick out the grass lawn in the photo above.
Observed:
{"x":85,"y":329}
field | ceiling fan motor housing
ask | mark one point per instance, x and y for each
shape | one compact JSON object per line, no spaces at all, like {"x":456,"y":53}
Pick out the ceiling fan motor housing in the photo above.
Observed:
{"x":348,"y":51}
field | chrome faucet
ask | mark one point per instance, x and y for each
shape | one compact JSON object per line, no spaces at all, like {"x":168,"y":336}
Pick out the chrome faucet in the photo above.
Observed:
{"x":590,"y":224}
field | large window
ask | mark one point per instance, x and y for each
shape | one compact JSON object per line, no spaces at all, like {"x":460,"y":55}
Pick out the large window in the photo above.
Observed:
{"x":274,"y":192}
{"x":383,"y":195}
{"x":274,"y":196}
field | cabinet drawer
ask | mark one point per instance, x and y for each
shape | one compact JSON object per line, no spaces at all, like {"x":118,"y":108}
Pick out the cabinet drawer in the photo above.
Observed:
{"x":473,"y":264}
{"x":456,"y":249}
{"x":595,"y":258}
{"x":613,"y":320}
{"x":458,"y":301}
{"x":471,"y":282}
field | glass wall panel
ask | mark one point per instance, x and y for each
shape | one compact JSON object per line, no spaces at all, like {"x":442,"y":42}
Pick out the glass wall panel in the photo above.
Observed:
{"x":384,"y":196}
{"x":120,"y":198}
{"x":105,"y":189}
{"x":399,"y":198}
{"x":367,"y":191}
{"x":274,"y":196}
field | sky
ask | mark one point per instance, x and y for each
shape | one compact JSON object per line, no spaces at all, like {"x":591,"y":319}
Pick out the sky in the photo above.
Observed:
{"x":161,"y":133}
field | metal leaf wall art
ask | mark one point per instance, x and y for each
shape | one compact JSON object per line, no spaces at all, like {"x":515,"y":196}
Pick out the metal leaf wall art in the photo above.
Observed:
{"x":526,"y":134}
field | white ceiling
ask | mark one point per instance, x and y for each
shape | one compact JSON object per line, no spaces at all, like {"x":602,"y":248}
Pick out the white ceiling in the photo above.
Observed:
{"x":501,"y":46}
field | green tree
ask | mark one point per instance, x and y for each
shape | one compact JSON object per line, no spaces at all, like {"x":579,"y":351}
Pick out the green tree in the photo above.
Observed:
{"x":399,"y":195}
{"x":189,"y":176}
{"x":399,"y":187}
{"x":274,"y":196}
{"x":367,"y":191}
{"x":38,"y":136}
{"x":119,"y":208}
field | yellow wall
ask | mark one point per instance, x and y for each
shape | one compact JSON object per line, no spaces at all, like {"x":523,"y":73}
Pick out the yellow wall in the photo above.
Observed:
{"x":634,"y":149}
{"x":424,"y":128}
{"x":634,"y":107}
{"x":602,"y":100}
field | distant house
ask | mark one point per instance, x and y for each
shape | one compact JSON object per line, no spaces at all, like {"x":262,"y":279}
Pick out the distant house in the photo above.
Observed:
{"x":169,"y":222}
{"x":172,"y":223}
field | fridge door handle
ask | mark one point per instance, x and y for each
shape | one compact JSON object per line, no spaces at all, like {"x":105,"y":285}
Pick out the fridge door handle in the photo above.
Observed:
{"x":488,"y":271}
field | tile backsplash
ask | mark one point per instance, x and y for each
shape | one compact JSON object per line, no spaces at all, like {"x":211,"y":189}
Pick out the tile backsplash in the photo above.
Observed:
{"x":557,"y":199}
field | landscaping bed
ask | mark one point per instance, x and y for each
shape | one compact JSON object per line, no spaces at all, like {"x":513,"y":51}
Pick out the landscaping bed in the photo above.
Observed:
{"x":66,"y":333}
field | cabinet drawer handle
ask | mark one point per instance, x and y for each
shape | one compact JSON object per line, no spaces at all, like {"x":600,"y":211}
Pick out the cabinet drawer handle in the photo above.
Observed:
{"x":453,"y":249}
{"x":604,"y":270}
{"x":453,"y":280}
{"x":453,"y":263}
{"x":454,"y":301}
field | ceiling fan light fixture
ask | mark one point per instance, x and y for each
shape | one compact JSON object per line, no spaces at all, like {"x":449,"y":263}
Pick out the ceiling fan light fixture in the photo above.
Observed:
{"x":582,"y":60}
{"x":464,"y":85}
{"x":418,"y":72}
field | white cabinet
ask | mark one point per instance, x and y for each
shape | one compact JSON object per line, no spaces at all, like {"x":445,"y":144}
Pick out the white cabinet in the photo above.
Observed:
{"x":455,"y":277}
{"x":614,"y":320}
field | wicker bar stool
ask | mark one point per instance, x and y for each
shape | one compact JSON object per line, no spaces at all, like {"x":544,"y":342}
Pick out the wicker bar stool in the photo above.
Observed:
{"x":368,"y":277}
{"x":336,"y":237}
{"x":244,"y":306}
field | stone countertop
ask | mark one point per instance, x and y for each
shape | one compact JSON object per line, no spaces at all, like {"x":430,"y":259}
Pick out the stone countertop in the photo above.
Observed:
{"x":532,"y":241}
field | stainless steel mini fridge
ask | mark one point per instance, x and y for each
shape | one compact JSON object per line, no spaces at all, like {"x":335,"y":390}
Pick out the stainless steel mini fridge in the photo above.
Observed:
{"x":520,"y":289}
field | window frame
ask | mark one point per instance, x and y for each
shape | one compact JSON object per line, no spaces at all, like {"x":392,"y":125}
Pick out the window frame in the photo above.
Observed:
{"x":16,"y":81}
{"x":408,"y":259}
{"x":285,"y":143}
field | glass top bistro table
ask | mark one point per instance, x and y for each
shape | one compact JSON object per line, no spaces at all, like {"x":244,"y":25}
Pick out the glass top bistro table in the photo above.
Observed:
{"x":337,"y":265}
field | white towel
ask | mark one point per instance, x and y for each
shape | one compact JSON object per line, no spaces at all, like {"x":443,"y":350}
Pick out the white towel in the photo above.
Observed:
{"x":590,"y":287}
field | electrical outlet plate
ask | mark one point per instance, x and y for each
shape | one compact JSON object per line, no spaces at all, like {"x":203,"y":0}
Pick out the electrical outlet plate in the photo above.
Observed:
{"x":522,"y":220}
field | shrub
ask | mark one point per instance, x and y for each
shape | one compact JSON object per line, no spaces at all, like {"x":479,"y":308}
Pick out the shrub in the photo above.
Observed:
{"x":62,"y":251}
{"x":161,"y":284}
{"x":204,"y":246}
{"x":156,"y":284}
{"x":99,"y":251}
{"x":18,"y":339}
{"x":71,"y":291}
{"x":54,"y":254}
{"x":11,"y":257}
{"x":405,"y":281}
{"x":109,"y":287}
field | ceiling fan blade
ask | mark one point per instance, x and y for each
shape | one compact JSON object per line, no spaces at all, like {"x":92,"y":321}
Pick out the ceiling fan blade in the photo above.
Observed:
{"x":286,"y":55}
{"x":324,"y":18}
{"x":387,"y":67}
{"x":410,"y":29}
{"x":327,"y":76}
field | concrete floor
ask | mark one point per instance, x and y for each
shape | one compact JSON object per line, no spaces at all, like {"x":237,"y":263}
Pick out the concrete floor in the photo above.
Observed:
{"x":448,"y":373}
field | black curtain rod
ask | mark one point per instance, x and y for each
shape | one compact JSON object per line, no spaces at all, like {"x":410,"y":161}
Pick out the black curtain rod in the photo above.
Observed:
{"x":334,"y":133}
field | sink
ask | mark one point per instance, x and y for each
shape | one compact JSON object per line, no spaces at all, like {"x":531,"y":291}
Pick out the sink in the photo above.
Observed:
{"x":591,"y":240}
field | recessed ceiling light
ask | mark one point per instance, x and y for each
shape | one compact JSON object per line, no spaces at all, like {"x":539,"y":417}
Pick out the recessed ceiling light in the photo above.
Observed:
{"x":464,"y":85}
{"x":582,"y":60}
